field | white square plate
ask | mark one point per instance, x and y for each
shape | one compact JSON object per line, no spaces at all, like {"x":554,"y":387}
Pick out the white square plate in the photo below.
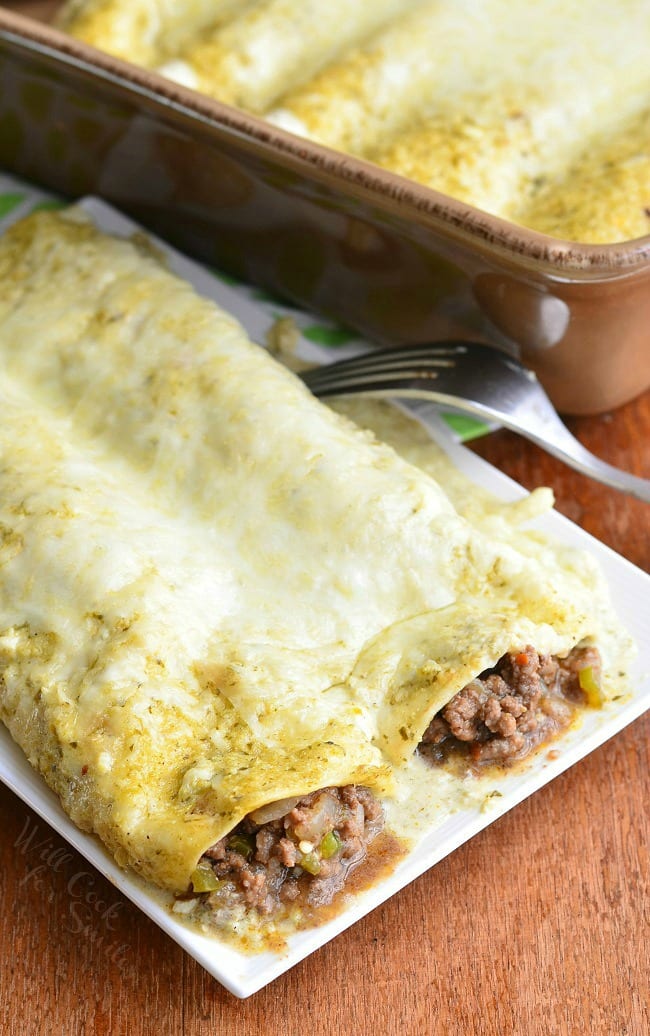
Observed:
{"x":630,"y":588}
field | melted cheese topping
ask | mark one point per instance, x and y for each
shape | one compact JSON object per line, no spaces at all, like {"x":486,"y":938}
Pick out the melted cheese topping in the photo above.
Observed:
{"x":604,"y":194}
{"x":143,"y":31}
{"x":276,"y":45}
{"x":216,"y":592}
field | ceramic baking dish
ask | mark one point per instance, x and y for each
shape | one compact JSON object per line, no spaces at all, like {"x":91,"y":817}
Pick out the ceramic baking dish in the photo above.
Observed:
{"x":396,"y":261}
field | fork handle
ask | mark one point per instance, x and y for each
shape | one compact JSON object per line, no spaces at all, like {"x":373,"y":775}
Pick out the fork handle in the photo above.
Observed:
{"x":580,"y":459}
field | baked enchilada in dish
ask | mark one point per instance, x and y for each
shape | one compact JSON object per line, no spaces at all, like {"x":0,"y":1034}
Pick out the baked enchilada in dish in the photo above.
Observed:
{"x":537,"y":113}
{"x":234,"y":621}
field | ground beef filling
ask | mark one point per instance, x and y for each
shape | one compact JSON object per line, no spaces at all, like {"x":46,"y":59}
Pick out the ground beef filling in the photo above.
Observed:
{"x":525,"y":700}
{"x":299,"y":851}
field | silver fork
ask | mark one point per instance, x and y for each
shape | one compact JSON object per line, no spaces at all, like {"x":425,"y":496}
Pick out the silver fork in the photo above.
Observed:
{"x":479,"y":380}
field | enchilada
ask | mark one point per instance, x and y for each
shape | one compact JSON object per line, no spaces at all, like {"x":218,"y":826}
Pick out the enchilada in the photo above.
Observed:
{"x":218,"y":596}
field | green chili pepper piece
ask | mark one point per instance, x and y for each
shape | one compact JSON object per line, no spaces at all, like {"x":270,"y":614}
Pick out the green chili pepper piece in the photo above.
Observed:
{"x":590,"y":685}
{"x":330,"y":845}
{"x":204,"y":879}
{"x":242,"y":844}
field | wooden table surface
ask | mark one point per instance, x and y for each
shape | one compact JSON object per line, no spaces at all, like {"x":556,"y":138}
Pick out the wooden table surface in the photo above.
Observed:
{"x":539,"y":925}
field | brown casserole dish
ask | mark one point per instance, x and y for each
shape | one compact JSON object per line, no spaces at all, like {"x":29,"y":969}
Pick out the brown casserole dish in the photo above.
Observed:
{"x":396,"y":260}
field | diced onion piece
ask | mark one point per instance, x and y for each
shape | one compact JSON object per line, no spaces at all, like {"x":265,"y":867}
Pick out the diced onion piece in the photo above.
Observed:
{"x":273,"y":811}
{"x":320,"y":817}
{"x":184,"y":906}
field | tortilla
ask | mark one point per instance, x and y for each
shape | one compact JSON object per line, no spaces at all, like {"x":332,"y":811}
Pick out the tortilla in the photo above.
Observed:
{"x":216,"y":592}
{"x":143,"y":31}
{"x":276,"y":45}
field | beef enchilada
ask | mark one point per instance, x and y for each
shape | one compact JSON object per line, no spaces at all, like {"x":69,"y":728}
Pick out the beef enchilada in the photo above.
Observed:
{"x":230,"y":617}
